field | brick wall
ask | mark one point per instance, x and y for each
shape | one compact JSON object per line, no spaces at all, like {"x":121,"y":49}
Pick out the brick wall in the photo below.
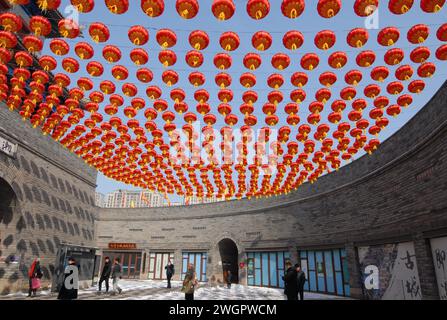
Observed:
{"x":395,"y":194}
{"x":54,"y":202}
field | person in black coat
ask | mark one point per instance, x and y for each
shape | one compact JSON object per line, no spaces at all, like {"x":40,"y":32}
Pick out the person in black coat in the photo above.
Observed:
{"x":169,"y":272}
{"x":229,"y":279}
{"x":290,"y":282}
{"x":300,"y":281}
{"x":71,"y":292}
{"x":105,"y":274}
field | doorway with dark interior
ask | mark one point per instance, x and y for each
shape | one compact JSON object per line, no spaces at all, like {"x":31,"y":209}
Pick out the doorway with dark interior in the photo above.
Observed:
{"x":229,"y":257}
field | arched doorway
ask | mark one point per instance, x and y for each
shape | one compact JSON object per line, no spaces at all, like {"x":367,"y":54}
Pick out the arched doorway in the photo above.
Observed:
{"x":8,"y":202}
{"x":229,"y":257}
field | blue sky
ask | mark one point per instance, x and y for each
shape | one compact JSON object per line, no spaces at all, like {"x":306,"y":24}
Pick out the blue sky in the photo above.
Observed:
{"x":276,"y":24}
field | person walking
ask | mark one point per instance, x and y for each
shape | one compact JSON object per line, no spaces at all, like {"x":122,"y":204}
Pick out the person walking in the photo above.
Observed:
{"x":229,"y":279}
{"x":71,"y":279}
{"x":189,"y":283}
{"x":105,"y":275}
{"x":116,"y":276}
{"x":169,"y":272}
{"x":290,"y":282}
{"x":34,"y":275}
{"x":300,"y":281}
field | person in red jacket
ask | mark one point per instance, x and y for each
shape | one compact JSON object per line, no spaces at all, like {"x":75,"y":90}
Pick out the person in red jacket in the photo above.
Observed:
{"x":34,"y":275}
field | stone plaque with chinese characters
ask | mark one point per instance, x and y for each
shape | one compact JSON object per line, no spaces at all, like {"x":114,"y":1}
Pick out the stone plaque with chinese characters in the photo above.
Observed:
{"x":8,"y":147}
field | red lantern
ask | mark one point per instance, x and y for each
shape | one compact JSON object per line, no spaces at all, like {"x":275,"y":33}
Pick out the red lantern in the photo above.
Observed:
{"x":196,"y":79}
{"x":261,"y":40}
{"x":280,"y":61}
{"x":166,"y":38}
{"x":292,"y":8}
{"x":170,"y":77}
{"x":441,"y":53}
{"x":153,"y":8}
{"x":380,"y":73}
{"x":84,"y":50}
{"x":10,"y":22}
{"x":99,"y":32}
{"x":275,"y":81}
{"x":248,"y":80}
{"x":120,"y":73}
{"x":258,"y":9}
{"x":442,"y":32}
{"x":364,"y":8}
{"x":222,"y":61}
{"x":107,"y":87}
{"x":223,"y":9}
{"x":416,"y":86}
{"x":328,"y":8}
{"x":199,"y":40}
{"x":68,"y":28}
{"x":138,"y":35}
{"x":32,"y":43}
{"x":111,"y":54}
{"x":432,"y":6}
{"x":153,"y":92}
{"x":404,"y":73}
{"x":84,"y":6}
{"x":95,"y":69}
{"x":357,"y":38}
{"x":394,"y":56}
{"x":300,"y":79}
{"x":338,"y":60}
{"x":117,"y":6}
{"x":420,"y":54}
{"x":229,"y":41}
{"x":7,"y":40}
{"x":293,"y":40}
{"x":400,"y":6}
{"x":194,"y":58}
{"x":366,"y":58}
{"x":426,"y":70}
{"x":167,"y":58}
{"x":70,"y":65}
{"x":139,"y":56}
{"x":144,"y":75}
{"x":325,"y":39}
{"x":353,"y":77}
{"x":395,"y":88}
{"x":48,"y":4}
{"x":187,"y":9}
{"x":40,"y":26}
{"x":223,"y":80}
{"x":418,"y":34}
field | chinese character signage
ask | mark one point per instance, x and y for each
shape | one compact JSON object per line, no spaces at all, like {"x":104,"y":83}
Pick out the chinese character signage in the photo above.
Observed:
{"x":7,"y":147}
{"x":397,"y":271}
{"x":123,"y":246}
{"x":439,"y":250}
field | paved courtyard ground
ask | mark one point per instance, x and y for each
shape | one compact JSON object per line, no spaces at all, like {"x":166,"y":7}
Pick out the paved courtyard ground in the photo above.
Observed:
{"x":156,"y":290}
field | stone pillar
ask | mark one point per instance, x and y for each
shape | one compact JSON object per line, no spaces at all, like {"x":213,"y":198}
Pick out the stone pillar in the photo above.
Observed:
{"x":214,"y":271}
{"x":178,"y":265}
{"x":355,"y":274}
{"x":243,"y":271}
{"x":426,"y":269}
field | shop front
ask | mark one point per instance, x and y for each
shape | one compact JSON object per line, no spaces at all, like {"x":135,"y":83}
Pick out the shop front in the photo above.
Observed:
{"x":266,"y":269}
{"x":157,"y":263}
{"x":326,"y":271}
{"x":198,"y":260}
{"x":131,"y":258}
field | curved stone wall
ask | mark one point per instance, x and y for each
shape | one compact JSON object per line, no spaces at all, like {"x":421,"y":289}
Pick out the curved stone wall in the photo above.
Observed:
{"x":53,"y":202}
{"x":396,"y":195}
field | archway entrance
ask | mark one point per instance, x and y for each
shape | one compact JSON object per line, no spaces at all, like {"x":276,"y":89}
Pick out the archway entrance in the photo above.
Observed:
{"x":229,"y":257}
{"x":8,"y":201}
